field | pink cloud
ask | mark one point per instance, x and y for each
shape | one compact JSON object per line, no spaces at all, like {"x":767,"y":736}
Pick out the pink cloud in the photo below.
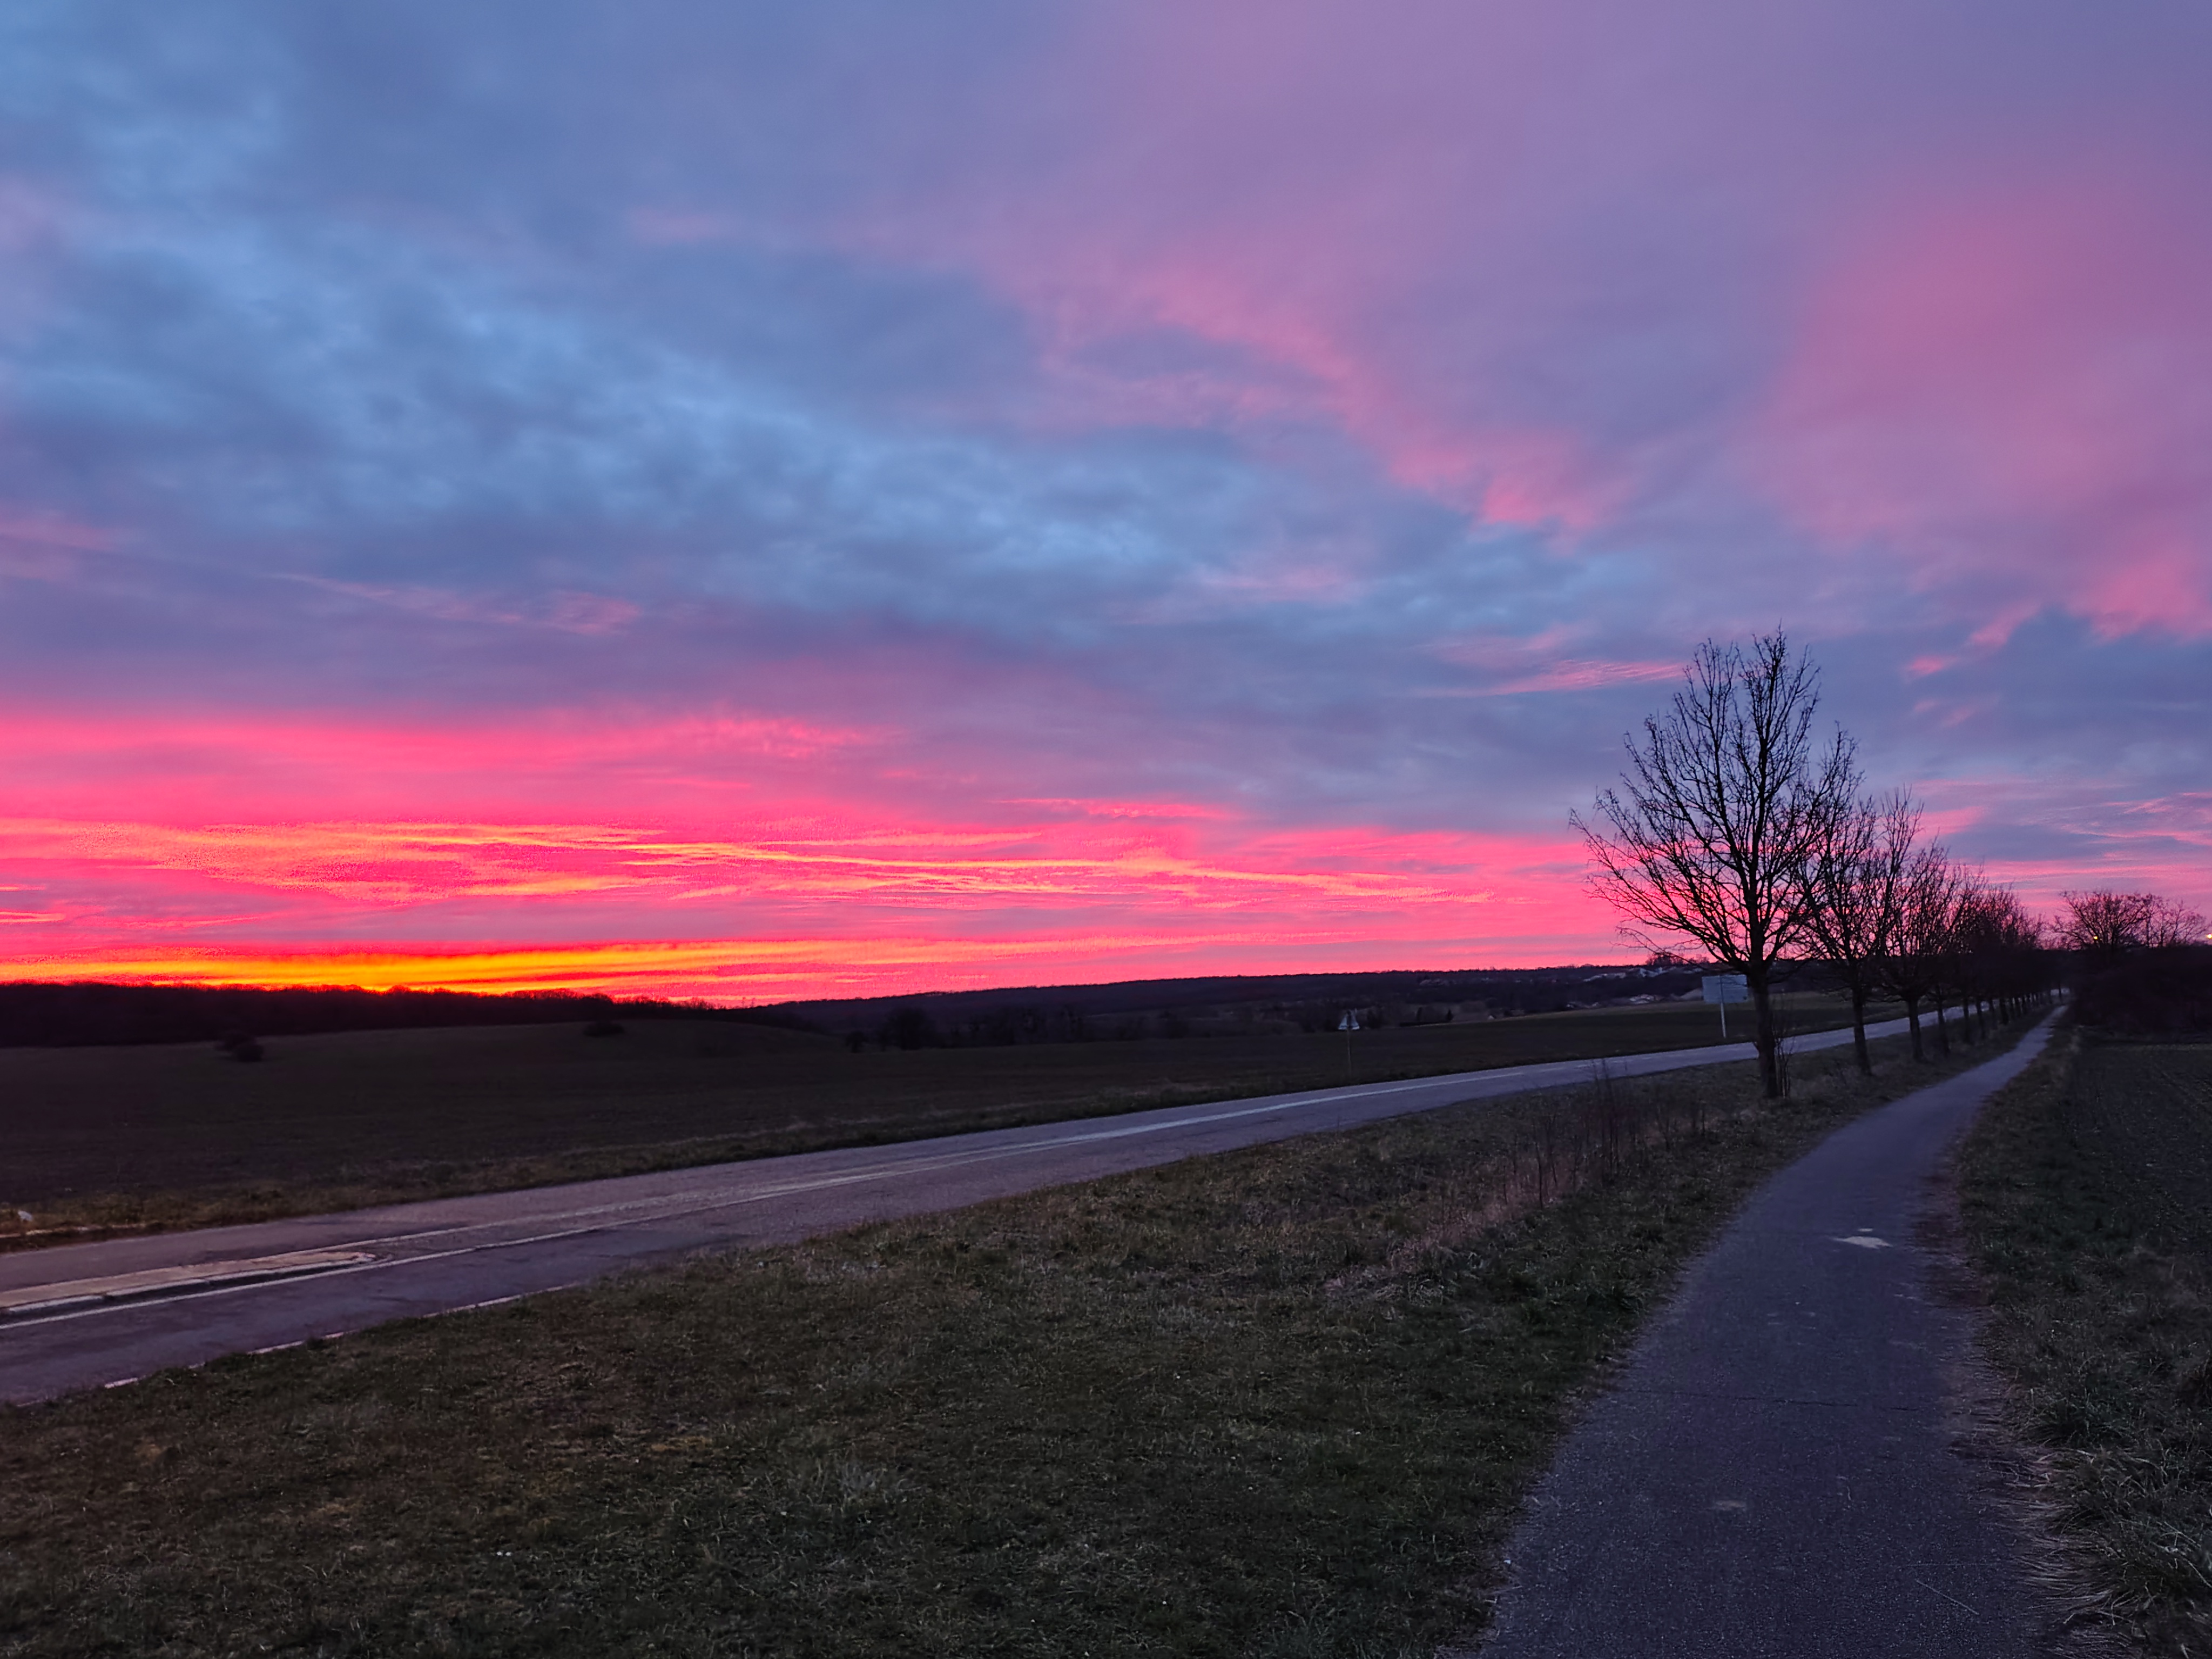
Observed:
{"x":1586,"y":676}
{"x":1542,"y":662}
{"x":1125,"y":809}
{"x":2003,"y":382}
{"x":35,"y":223}
{"x":2162,"y":843}
{"x":1348,"y":207}
{"x":561,"y":608}
{"x":291,"y":762}
{"x":1537,"y":264}
{"x":1315,"y":361}
{"x":40,"y":528}
{"x":44,"y":545}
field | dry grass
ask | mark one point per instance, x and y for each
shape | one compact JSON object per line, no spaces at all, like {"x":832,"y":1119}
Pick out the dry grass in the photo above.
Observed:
{"x":2087,"y":1192}
{"x":1282,"y":1402}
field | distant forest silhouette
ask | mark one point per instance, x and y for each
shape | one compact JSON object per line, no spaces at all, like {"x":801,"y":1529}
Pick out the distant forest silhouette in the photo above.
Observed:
{"x":75,"y":1014}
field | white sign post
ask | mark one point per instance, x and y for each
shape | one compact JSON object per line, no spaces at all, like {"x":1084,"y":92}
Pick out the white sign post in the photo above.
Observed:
{"x":1725,"y":988}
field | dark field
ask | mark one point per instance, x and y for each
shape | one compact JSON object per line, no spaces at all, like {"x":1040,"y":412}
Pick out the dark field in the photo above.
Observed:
{"x":185,"y":1135}
{"x":2088,"y":1196}
{"x":1281,"y":1402}
{"x":2143,"y":1112}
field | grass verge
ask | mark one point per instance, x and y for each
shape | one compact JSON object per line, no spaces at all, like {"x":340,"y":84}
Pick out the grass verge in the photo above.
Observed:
{"x":1282,"y":1402}
{"x":2086,"y":1195}
{"x":104,"y":1140}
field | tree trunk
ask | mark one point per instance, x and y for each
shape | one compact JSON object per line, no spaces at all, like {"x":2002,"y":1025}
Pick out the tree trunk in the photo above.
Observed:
{"x":1858,"y":1029}
{"x":1943,"y":1031}
{"x":1762,"y":1003}
{"x":1913,"y":1018}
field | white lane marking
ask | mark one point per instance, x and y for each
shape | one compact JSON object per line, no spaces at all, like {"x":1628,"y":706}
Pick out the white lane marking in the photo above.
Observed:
{"x":698,"y":1199}
{"x":1498,"y":1081}
{"x":666,"y":1206}
{"x":1865,"y":1242}
{"x":503,"y":1301}
{"x":763,"y":1195}
{"x":1945,"y":1595}
{"x":152,"y":1281}
{"x":281,"y":1284}
{"x":878,"y":1172}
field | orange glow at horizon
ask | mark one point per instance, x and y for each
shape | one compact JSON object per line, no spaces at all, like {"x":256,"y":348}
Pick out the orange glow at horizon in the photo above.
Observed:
{"x":742,"y":971}
{"x":486,"y":859}
{"x":832,"y":902}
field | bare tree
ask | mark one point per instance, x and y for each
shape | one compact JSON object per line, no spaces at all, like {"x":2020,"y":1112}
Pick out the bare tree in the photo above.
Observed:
{"x":2105,"y":926}
{"x":2173,"y":925}
{"x":1856,"y":877}
{"x":1726,"y":798}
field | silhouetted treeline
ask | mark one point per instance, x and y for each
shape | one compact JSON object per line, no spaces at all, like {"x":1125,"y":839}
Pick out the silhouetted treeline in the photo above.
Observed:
{"x":74,"y":1015}
{"x":1029,"y":1011}
{"x":1239,"y":1005}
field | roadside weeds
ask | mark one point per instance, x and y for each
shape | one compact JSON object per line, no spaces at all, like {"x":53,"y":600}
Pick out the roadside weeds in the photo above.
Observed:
{"x":2078,"y":1207}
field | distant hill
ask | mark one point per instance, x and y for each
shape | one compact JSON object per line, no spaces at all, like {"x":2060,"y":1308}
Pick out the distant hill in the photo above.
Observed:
{"x":39,"y":1015}
{"x":64,"y":1015}
{"x":1177,"y":1007}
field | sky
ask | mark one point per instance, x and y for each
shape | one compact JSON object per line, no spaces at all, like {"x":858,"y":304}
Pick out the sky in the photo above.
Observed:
{"x":762,"y":499}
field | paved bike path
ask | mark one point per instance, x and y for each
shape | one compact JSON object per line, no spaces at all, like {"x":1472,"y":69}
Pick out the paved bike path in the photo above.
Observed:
{"x":1774,"y":1475}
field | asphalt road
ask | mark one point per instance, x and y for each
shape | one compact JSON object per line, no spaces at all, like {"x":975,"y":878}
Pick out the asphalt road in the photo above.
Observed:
{"x":1777,"y":1471}
{"x":90,"y":1314}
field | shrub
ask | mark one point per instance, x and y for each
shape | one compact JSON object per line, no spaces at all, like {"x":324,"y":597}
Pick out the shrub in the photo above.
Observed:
{"x":2150,"y":993}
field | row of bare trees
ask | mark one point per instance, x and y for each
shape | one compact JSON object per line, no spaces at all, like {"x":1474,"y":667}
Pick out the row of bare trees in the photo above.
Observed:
{"x":1894,"y":915}
{"x":1737,"y":829}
